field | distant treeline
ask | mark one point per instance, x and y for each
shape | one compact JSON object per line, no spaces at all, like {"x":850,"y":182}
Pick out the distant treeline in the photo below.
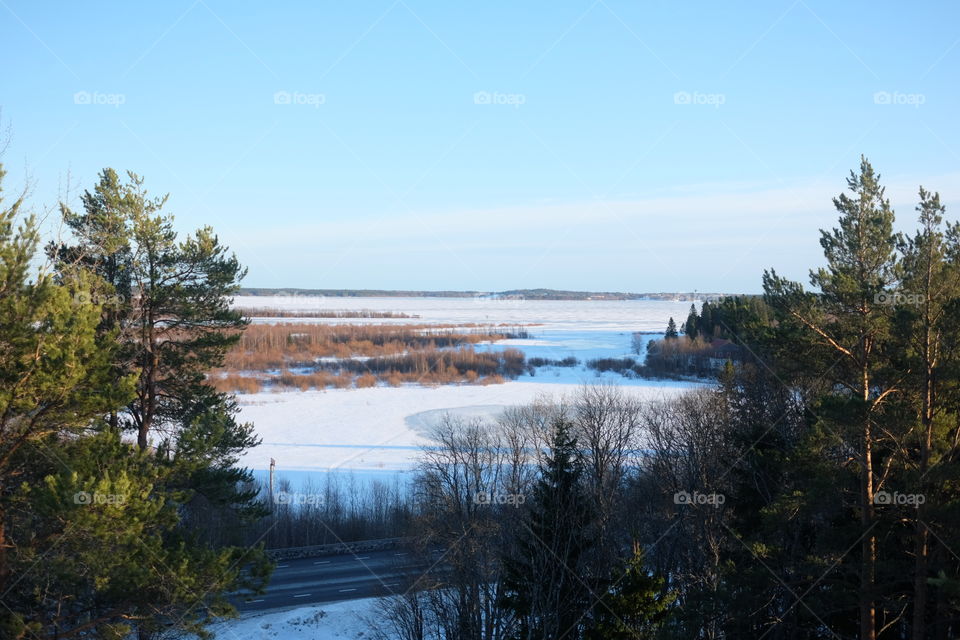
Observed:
{"x":705,"y":341}
{"x":513,"y":294}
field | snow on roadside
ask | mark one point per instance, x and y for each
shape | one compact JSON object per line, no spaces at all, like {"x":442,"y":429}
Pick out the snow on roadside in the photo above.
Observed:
{"x":348,"y":620}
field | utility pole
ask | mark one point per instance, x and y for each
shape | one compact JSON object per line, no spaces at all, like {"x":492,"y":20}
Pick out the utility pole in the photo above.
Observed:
{"x":273,"y":464}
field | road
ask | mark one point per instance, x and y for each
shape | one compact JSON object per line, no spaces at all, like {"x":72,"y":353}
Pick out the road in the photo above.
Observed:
{"x":331,"y":578}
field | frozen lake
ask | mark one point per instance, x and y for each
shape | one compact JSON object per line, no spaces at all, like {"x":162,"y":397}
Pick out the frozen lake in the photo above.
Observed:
{"x":377,"y":431}
{"x":563,"y":315}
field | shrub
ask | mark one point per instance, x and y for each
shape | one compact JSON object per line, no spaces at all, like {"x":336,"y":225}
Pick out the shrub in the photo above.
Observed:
{"x":232,"y":383}
{"x":620,"y":365}
{"x":366,"y":380}
{"x":343,"y":381}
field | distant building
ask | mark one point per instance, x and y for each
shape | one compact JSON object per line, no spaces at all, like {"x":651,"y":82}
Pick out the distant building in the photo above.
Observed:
{"x":722,"y":350}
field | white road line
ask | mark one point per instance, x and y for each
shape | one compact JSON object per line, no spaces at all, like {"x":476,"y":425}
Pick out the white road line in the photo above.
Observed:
{"x":401,"y":554}
{"x":346,"y":590}
{"x":395,"y":584}
{"x":363,"y":557}
{"x":282,"y":566}
{"x":302,"y":595}
{"x":324,"y":562}
{"x":252,"y":601}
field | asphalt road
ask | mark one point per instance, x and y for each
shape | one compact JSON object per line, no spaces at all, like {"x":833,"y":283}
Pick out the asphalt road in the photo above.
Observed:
{"x":297,"y":583}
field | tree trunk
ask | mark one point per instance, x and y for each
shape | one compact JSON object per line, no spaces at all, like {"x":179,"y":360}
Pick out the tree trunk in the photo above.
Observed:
{"x":921,"y":547}
{"x":4,"y":568}
{"x":868,"y":611}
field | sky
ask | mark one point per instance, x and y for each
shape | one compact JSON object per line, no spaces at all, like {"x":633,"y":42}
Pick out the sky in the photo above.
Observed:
{"x":397,"y":144}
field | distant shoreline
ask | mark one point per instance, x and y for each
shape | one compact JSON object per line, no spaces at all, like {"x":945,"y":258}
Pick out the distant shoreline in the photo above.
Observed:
{"x":515,"y":294}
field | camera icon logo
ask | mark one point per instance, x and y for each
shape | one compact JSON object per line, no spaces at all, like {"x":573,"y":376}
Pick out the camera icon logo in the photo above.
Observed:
{"x":882,"y":97}
{"x":82,"y":497}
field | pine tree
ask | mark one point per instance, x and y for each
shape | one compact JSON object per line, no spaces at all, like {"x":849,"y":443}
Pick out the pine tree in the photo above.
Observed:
{"x":690,"y":327}
{"x":706,"y":322}
{"x":671,"y":330}
{"x":634,"y":606}
{"x":929,"y":331}
{"x":169,"y":311}
{"x":846,"y":326}
{"x":51,"y":370}
{"x":546,"y":584}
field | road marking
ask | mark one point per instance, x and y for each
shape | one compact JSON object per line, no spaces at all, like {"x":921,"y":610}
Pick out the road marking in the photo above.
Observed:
{"x":302,"y":595}
{"x":252,"y":601}
{"x":324,"y":562}
{"x":346,"y":590}
{"x":363,"y":557}
{"x":282,"y":566}
{"x":401,"y":554}
{"x":395,"y":584}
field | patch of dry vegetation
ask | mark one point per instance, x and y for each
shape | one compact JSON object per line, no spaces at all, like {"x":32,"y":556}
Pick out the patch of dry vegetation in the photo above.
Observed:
{"x":347,"y":355}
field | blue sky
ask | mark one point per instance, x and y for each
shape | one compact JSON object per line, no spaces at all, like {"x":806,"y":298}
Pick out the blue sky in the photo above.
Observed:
{"x":489,"y":145}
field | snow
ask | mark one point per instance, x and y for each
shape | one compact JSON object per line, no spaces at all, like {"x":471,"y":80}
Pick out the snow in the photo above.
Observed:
{"x":577,"y":315}
{"x":348,"y":620}
{"x":381,"y":429}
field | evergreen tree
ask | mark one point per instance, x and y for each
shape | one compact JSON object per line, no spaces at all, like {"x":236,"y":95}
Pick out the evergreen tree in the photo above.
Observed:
{"x":705,"y":323}
{"x":846,"y":326}
{"x":52,"y":371}
{"x":690,"y":328}
{"x":170,"y":307}
{"x":929,"y":331}
{"x":671,"y":330}
{"x":633,"y":607}
{"x":169,"y":311}
{"x":106,"y":554}
{"x":547,"y":584}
